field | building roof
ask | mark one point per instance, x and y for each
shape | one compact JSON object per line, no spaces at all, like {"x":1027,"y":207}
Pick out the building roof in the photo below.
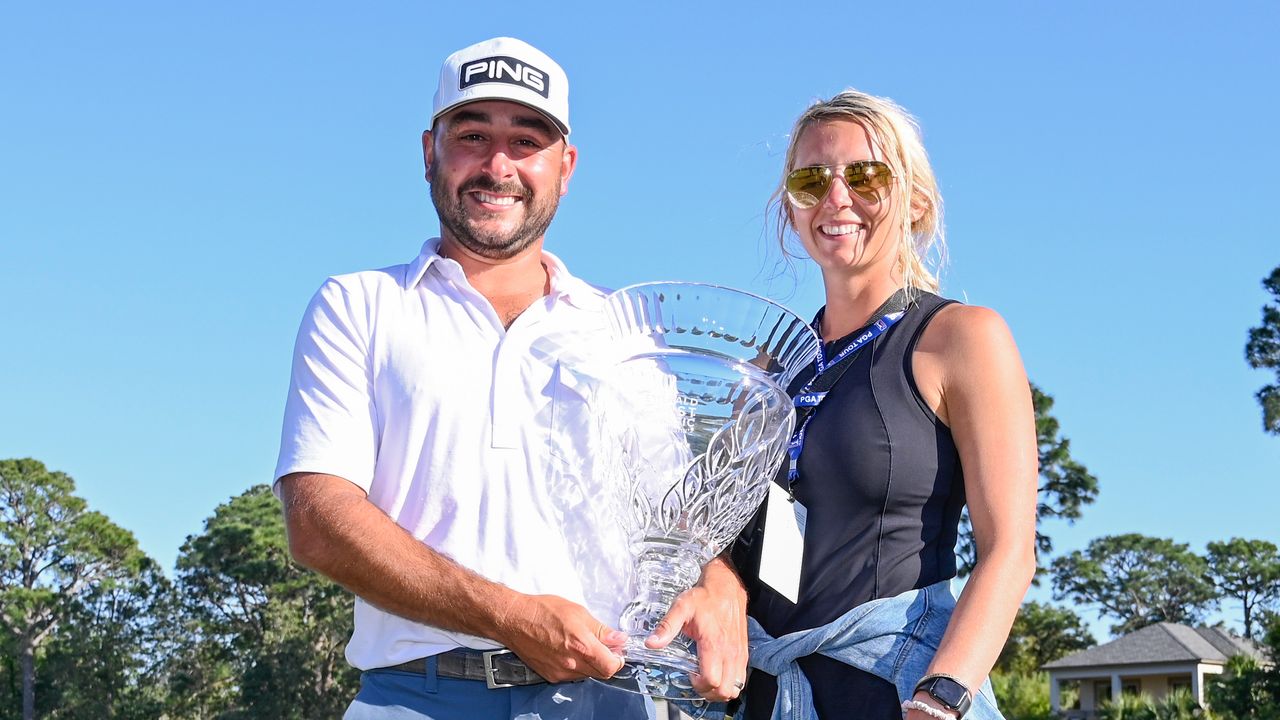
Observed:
{"x":1163,"y":642}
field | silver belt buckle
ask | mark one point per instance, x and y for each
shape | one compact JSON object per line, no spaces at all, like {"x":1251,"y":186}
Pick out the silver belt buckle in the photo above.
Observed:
{"x":489,"y":670}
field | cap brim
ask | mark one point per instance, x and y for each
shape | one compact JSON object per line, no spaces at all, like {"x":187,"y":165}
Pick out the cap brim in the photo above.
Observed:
{"x":564,"y":129}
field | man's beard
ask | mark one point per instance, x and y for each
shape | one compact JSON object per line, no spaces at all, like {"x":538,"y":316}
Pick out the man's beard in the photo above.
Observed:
{"x":456,"y":218}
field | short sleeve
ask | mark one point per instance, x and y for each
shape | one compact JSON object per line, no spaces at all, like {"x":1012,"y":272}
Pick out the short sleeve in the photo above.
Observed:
{"x":330,"y":421}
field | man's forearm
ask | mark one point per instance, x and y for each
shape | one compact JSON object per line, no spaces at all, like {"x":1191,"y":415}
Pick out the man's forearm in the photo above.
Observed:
{"x":334,"y":530}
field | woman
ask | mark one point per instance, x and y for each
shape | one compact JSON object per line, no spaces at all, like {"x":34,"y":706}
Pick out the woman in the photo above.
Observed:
{"x":926,"y":407}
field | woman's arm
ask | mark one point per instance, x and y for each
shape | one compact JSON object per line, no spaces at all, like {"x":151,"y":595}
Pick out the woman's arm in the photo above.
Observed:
{"x":968,"y":368}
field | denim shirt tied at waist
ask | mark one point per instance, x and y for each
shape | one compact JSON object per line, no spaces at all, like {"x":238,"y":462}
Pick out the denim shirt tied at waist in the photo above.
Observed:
{"x":892,"y":638}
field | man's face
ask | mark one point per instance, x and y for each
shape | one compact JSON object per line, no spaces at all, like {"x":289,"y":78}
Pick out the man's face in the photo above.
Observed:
{"x":497,"y":171}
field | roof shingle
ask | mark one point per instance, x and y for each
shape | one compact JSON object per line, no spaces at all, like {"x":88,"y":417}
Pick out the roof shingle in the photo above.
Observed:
{"x":1162,"y":642}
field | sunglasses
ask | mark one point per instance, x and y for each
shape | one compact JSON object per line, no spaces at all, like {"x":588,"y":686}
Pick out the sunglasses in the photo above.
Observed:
{"x":807,"y":186}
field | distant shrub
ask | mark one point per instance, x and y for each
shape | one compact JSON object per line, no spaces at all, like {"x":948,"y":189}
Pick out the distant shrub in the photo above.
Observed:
{"x":1246,"y":691}
{"x":1177,"y":705}
{"x":1022,"y":696}
{"x":1128,"y":707}
{"x":1180,"y":705}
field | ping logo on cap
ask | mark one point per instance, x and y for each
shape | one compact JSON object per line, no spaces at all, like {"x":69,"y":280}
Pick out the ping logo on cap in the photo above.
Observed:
{"x":504,"y":69}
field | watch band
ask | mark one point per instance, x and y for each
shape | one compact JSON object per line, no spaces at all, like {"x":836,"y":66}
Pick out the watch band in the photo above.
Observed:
{"x":948,"y":691}
{"x":927,"y":709}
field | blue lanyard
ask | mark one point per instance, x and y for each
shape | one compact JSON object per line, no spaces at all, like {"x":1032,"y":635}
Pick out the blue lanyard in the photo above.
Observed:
{"x":806,"y":398}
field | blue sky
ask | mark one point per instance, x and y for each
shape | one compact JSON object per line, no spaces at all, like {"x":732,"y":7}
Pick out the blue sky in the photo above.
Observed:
{"x":176,"y":179}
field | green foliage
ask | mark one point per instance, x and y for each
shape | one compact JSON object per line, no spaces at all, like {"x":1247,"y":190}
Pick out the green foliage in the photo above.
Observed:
{"x":1270,"y":621}
{"x":58,"y":560}
{"x":1042,"y":633}
{"x":1022,"y":696}
{"x":1066,"y":486}
{"x":1180,"y":705}
{"x":102,"y":662}
{"x":1248,"y":690}
{"x":1177,"y":705}
{"x":1242,"y":693}
{"x":10,"y":679}
{"x":1263,"y":351}
{"x":263,"y":637}
{"x":95,"y":630}
{"x":1248,"y":571}
{"x":1137,"y":580}
{"x":1127,"y":707}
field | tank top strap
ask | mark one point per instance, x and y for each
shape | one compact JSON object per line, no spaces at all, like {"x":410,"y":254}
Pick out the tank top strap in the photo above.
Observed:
{"x":906,"y":334}
{"x":928,"y":306}
{"x":901,"y":344}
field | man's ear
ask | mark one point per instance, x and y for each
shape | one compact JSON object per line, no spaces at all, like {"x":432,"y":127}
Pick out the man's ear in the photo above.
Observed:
{"x":568,"y":161}
{"x":428,"y":152}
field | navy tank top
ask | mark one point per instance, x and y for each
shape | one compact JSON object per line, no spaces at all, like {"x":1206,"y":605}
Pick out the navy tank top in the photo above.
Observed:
{"x":881,"y":480}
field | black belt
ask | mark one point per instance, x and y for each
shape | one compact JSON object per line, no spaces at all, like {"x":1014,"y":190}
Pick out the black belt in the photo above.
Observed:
{"x":497,"y":668}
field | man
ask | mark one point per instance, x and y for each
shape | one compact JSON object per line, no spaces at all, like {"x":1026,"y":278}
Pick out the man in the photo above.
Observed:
{"x":412,"y":465}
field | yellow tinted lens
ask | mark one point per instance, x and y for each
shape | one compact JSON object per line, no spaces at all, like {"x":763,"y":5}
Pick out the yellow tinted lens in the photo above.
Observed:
{"x":868,"y":178}
{"x":808,"y":185}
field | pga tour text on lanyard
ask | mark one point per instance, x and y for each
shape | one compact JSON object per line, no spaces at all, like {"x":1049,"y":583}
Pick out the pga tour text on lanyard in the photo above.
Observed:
{"x":806,"y":398}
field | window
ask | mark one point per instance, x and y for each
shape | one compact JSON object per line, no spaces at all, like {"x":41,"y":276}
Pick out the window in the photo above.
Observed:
{"x":1101,"y":692}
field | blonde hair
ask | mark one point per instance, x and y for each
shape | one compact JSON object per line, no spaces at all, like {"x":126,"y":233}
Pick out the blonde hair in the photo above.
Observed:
{"x":897,"y":134}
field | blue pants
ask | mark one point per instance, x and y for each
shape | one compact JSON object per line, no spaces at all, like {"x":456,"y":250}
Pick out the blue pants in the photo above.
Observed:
{"x":398,"y":695}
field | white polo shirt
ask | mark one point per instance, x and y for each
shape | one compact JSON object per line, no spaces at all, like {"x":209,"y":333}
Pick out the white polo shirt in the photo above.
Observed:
{"x":406,"y":384}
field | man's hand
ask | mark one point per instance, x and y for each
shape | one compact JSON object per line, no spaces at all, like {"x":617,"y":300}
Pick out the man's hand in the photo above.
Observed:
{"x":714,"y":614}
{"x":560,"y":639}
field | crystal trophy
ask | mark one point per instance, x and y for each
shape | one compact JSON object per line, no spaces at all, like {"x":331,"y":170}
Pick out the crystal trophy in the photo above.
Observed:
{"x":686,"y":427}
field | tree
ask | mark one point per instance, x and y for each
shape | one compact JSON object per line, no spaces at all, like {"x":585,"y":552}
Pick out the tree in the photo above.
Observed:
{"x":266,"y":635}
{"x":1041,"y":634}
{"x":10,"y":679}
{"x":1066,"y":486}
{"x":1245,"y":570}
{"x":1248,"y":690}
{"x":105,"y":660}
{"x":1136,"y":579}
{"x":1022,"y":696}
{"x":53,"y":549}
{"x":1263,"y":351}
{"x":1243,"y":692}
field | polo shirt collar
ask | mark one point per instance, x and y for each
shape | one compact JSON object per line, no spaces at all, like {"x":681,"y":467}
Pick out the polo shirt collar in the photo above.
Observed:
{"x":563,"y":284}
{"x":429,"y":254}
{"x":578,"y":293}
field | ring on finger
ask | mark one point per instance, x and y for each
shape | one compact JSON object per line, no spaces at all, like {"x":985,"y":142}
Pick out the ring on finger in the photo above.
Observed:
{"x":739,"y":684}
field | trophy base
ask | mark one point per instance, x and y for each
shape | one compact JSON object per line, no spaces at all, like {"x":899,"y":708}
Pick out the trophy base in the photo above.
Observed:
{"x":663,"y":673}
{"x":657,"y":681}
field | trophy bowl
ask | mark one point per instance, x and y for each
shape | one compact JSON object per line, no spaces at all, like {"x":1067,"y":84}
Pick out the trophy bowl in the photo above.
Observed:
{"x":692,"y":424}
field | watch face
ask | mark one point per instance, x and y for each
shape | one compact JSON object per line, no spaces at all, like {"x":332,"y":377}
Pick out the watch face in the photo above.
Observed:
{"x":948,"y":691}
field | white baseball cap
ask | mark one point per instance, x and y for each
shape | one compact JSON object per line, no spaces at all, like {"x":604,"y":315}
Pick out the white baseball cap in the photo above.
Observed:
{"x":504,"y":69}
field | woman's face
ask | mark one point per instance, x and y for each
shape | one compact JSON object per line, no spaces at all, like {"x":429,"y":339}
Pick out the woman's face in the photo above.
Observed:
{"x":846,"y":232}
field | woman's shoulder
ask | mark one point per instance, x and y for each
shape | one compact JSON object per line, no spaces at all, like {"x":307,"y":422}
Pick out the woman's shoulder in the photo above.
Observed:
{"x":967,"y":334}
{"x":965,"y":351}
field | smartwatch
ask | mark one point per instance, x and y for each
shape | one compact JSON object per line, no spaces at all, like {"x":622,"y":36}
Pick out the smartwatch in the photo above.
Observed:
{"x":950,"y":692}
